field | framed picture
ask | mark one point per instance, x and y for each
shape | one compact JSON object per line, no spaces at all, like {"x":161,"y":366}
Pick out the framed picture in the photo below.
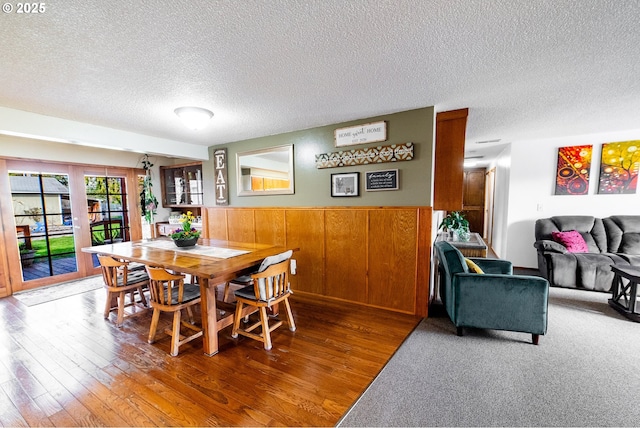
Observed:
{"x":381,"y":180}
{"x":347,"y":184}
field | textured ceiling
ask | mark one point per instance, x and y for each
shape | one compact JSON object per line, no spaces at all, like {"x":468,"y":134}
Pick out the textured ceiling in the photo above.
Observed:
{"x":525,"y":69}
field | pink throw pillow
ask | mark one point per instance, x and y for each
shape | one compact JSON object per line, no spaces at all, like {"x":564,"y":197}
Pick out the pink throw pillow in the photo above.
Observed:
{"x":572,"y":240}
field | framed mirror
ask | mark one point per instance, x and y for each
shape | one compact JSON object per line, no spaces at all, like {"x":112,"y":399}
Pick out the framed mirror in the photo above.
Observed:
{"x":265,"y":171}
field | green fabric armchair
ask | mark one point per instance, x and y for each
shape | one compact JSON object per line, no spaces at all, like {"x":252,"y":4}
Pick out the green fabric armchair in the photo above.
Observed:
{"x":496,"y":299}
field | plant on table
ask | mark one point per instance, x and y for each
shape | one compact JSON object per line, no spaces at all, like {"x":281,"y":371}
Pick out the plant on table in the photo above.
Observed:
{"x":455,"y":222}
{"x":187,"y":231}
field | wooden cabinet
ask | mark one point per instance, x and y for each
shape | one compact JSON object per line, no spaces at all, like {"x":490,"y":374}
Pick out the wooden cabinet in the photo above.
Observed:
{"x":182,"y":185}
{"x":449,"y":159}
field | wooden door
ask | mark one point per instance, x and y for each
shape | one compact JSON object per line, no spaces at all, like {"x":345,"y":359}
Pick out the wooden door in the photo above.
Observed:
{"x":473,"y":198}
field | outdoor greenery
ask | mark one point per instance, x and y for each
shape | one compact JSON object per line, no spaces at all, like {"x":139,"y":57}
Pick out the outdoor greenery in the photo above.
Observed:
{"x":58,"y":245}
{"x":97,"y":186}
{"x":97,"y":237}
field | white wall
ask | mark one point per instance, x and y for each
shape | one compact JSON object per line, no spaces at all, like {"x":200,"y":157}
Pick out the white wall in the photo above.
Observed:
{"x":17,"y":123}
{"x":501,"y":202}
{"x":532,"y":186}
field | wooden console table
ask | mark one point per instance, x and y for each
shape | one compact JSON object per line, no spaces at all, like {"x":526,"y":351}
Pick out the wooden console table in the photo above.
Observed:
{"x":624,"y":297}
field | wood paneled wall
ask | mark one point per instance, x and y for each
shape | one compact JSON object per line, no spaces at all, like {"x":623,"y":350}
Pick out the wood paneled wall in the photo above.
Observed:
{"x":371,"y":255}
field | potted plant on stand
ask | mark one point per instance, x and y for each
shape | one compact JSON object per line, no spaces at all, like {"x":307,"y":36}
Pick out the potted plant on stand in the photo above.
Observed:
{"x":456,"y":225}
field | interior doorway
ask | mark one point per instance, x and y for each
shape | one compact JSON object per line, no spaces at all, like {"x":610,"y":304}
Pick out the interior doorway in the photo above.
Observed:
{"x":473,"y":199}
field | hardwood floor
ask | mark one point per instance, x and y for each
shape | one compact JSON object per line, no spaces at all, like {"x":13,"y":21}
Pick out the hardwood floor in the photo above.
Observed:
{"x":62,"y":364}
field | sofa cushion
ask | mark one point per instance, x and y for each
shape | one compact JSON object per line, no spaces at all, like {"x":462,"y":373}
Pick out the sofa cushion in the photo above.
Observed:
{"x":591,"y":229}
{"x":472,"y":266}
{"x":623,"y":233}
{"x":572,"y":240}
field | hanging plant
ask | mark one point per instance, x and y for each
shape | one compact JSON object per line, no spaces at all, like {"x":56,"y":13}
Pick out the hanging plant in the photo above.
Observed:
{"x":148,"y":201}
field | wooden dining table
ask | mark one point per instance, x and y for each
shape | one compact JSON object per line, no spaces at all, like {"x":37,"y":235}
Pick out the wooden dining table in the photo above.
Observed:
{"x":213,"y":262}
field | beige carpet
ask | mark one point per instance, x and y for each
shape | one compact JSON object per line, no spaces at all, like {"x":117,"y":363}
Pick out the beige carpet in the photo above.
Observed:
{"x":59,"y":291}
{"x":585,"y":372}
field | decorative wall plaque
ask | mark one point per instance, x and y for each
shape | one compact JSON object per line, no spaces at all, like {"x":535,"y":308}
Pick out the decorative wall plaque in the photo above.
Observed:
{"x":369,"y":155}
{"x":220,"y":168}
{"x":361,"y":134}
{"x":381,"y":180}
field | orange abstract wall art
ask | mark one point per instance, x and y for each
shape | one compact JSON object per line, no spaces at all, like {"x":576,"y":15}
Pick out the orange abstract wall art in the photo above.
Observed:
{"x":572,"y":173}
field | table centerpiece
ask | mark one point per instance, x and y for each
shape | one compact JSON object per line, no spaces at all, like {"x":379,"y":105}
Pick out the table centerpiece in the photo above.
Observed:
{"x":187,"y":236}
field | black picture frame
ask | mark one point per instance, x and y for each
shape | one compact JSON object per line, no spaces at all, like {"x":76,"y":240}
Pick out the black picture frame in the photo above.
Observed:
{"x":345,"y":184}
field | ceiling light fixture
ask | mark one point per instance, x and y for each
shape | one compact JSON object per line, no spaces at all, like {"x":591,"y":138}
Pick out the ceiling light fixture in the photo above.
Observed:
{"x":194,"y":117}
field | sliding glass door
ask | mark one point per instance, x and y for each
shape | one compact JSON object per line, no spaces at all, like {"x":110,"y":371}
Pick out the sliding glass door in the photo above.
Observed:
{"x":42,"y":212}
{"x":50,"y":211}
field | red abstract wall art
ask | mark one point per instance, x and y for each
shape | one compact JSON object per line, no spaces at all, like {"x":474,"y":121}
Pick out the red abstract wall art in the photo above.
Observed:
{"x":572,"y":174}
{"x":619,"y":167}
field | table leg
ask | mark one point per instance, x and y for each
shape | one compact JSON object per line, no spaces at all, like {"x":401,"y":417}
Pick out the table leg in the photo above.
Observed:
{"x":209,"y":317}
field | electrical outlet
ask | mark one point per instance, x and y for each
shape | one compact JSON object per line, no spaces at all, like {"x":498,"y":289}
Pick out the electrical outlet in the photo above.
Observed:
{"x":293,"y":266}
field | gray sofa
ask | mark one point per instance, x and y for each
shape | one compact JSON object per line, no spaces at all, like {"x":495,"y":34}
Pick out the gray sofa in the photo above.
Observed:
{"x":611,"y":240}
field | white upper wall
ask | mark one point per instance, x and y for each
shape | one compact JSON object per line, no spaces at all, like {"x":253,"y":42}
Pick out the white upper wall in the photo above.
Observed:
{"x":532,"y":187}
{"x":36,"y":126}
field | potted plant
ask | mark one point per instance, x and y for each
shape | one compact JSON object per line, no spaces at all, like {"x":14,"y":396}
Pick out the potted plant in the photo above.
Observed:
{"x":26,"y":255}
{"x":455,"y":223}
{"x":187,"y":236}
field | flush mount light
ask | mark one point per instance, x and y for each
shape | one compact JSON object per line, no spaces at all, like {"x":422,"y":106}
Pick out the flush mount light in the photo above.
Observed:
{"x":194,"y":117}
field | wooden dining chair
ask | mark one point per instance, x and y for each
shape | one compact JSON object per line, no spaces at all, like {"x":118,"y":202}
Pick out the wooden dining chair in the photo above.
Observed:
{"x":121,"y":282}
{"x":270,"y":287}
{"x":169,"y":293}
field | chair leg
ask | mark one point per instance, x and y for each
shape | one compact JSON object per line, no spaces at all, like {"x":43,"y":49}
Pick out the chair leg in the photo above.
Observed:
{"x":143,"y":299}
{"x":154,"y":325}
{"x":236,"y":320}
{"x":535,"y":338}
{"x":120,"y":319}
{"x":292,"y":323}
{"x":190,"y":315}
{"x":175,"y":334}
{"x":109,"y":304}
{"x":266,"y":333}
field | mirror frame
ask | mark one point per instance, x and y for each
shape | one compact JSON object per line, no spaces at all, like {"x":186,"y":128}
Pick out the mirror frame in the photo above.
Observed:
{"x":288,"y":191}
